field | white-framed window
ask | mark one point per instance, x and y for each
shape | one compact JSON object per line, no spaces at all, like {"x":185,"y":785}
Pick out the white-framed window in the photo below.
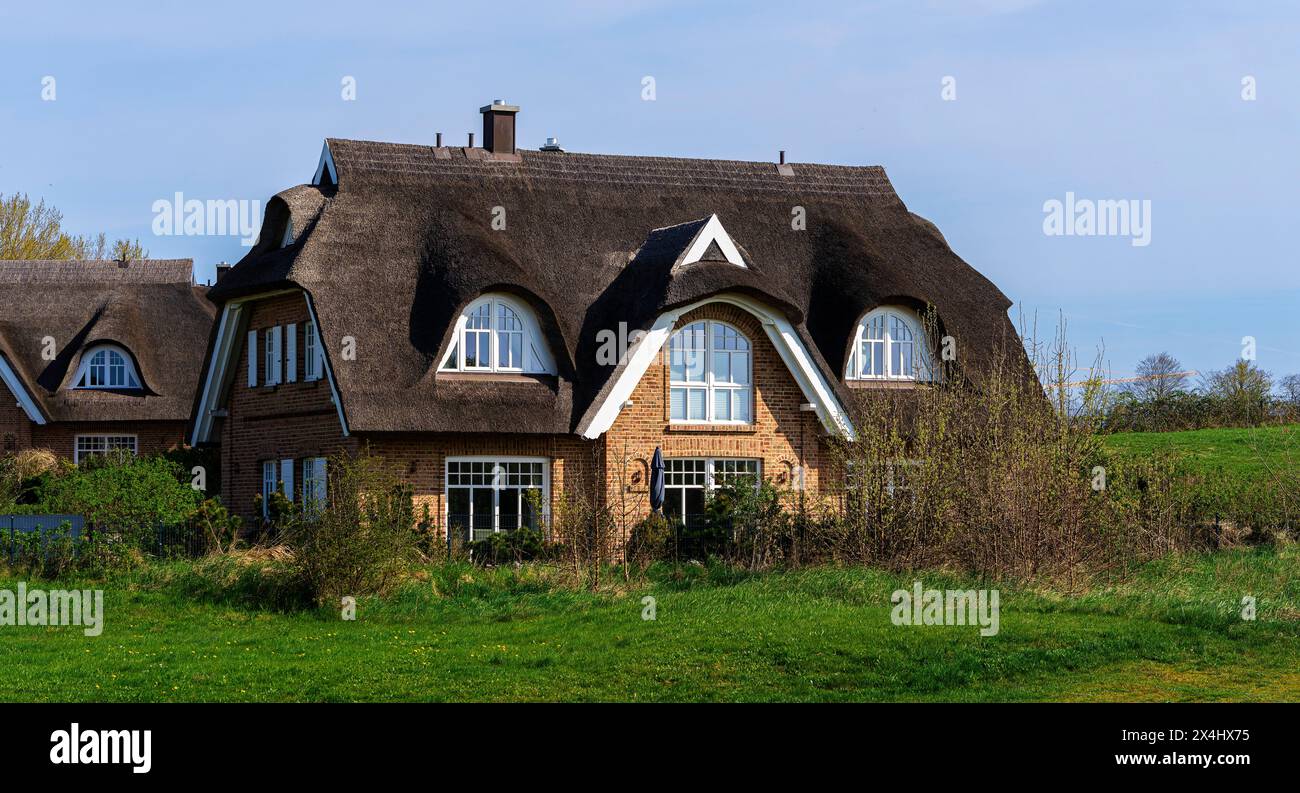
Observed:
{"x":311,"y":363}
{"x":272,"y":355}
{"x":313,"y":484}
{"x":270,"y":481}
{"x":106,"y":366}
{"x":895,"y":474}
{"x":497,"y":333}
{"x":710,"y":374}
{"x":491,"y":494}
{"x":889,"y":344}
{"x":688,"y":480}
{"x":90,"y":445}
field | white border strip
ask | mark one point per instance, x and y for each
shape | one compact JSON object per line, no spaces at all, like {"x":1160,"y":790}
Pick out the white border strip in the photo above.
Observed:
{"x":15,"y":385}
{"x":326,"y":161}
{"x":223,"y":354}
{"x":712,"y":232}
{"x":784,"y":338}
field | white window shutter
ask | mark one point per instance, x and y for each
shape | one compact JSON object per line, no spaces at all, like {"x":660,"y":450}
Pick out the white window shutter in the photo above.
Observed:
{"x":286,"y":478}
{"x":253,"y":352}
{"x":291,"y":354}
{"x":318,"y":352}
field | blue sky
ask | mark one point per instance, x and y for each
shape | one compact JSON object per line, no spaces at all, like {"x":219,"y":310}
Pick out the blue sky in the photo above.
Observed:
{"x":1123,"y":100}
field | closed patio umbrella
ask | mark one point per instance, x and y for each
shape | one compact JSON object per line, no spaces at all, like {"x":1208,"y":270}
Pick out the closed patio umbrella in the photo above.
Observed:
{"x":657,"y":481}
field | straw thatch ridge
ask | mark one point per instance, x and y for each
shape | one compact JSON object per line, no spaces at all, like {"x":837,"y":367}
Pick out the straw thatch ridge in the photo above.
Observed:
{"x":405,"y":240}
{"x":151,"y":308}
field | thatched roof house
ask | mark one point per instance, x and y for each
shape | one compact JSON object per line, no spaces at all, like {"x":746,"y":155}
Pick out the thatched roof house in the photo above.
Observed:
{"x":400,"y":262}
{"x":102,"y":347}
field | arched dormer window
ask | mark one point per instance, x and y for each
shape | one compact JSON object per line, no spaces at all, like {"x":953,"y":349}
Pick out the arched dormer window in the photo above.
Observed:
{"x":889,"y":344}
{"x":709,"y":375}
{"x":497,"y":333}
{"x":106,"y":366}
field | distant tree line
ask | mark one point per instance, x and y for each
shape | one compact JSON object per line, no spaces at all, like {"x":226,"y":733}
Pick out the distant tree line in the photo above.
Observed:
{"x":1164,"y":398}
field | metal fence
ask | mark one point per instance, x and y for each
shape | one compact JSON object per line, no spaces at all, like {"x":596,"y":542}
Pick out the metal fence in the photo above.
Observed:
{"x":174,"y":541}
{"x":12,"y":527}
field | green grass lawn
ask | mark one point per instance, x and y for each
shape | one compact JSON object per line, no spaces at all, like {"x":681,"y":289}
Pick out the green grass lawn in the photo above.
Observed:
{"x":1251,"y":452}
{"x":1171,"y":632}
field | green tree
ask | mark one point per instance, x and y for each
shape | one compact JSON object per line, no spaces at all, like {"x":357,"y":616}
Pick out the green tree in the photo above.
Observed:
{"x":1244,"y":389}
{"x":35,"y":231}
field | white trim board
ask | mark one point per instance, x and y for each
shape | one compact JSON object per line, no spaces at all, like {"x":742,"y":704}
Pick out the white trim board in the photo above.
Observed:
{"x":711,"y":233}
{"x":326,"y":161}
{"x":15,"y":386}
{"x":780,"y":332}
{"x":220,"y":375}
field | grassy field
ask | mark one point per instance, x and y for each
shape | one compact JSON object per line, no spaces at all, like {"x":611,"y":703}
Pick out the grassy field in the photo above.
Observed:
{"x":1250,"y":452}
{"x":1171,"y":632}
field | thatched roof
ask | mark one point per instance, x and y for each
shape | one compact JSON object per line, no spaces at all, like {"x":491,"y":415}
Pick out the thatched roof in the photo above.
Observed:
{"x":405,"y":240}
{"x":151,"y":308}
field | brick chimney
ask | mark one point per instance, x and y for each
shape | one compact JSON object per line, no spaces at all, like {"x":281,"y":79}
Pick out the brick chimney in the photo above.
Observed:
{"x":499,"y":126}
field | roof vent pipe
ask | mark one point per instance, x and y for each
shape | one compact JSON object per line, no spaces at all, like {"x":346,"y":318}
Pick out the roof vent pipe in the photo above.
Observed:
{"x":437,"y":139}
{"x":471,"y":140}
{"x":783,"y":156}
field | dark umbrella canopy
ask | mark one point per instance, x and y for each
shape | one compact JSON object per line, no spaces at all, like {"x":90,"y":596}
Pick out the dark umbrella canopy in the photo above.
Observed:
{"x":657,"y":480}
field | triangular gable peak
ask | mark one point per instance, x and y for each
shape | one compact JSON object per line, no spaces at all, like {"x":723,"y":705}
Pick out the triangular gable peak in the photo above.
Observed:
{"x":709,"y":242}
{"x":326,"y":174}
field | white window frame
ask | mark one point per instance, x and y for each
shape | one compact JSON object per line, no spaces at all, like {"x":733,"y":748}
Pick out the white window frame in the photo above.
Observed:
{"x":536,"y":354}
{"x":273,"y":356}
{"x":497,"y":486}
{"x":270,"y":468}
{"x":314,"y":479}
{"x":107,"y":437}
{"x":130,"y":377}
{"x":888,"y":315}
{"x":710,"y":387}
{"x":711,"y":479}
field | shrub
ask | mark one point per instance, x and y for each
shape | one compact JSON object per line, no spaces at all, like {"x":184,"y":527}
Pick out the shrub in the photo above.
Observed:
{"x":651,"y":540}
{"x":520,"y":545}
{"x":365,"y":536}
{"x":125,"y":496}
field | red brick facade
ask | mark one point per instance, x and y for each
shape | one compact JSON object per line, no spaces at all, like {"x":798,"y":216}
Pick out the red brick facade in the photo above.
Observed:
{"x":288,"y":421}
{"x":783,"y":437}
{"x":18,"y":432}
{"x":299,"y":420}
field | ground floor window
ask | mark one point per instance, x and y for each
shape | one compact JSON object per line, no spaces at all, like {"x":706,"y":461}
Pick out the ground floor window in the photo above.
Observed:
{"x":91,"y":445}
{"x":688,"y":480}
{"x":269,"y":482}
{"x":491,"y":494}
{"x":313,"y":484}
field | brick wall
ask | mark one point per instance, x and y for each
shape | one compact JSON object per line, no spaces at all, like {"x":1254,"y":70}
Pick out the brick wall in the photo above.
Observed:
{"x":573,"y":462}
{"x":299,"y":420}
{"x":17,"y":432}
{"x":285,"y":421}
{"x":152,"y":437}
{"x":15,"y":427}
{"x":781,"y":436}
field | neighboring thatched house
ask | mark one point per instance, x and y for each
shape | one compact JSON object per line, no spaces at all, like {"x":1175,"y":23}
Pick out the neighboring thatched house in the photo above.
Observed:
{"x":502,"y":321}
{"x":99,"y":355}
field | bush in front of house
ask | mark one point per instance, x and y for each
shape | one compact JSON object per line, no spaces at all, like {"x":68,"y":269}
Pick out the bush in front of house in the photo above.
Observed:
{"x":124,"y":496}
{"x":363,"y":539}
